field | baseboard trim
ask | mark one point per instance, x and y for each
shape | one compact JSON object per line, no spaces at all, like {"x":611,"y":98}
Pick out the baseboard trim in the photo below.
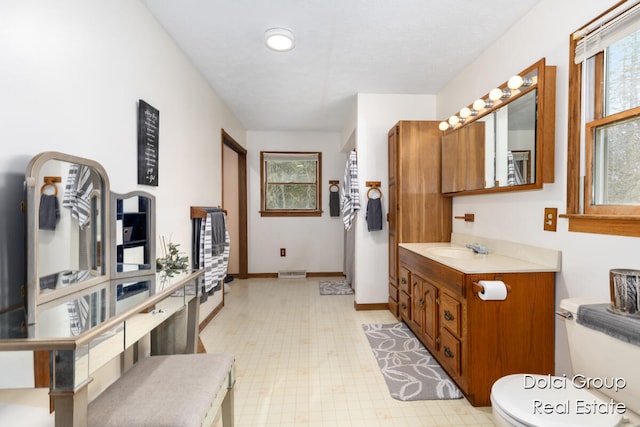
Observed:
{"x":378,"y":306}
{"x":309,"y":274}
{"x":326,"y":274}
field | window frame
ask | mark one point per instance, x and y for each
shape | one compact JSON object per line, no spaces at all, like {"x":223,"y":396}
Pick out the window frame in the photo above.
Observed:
{"x":270,"y":212}
{"x":622,"y":220}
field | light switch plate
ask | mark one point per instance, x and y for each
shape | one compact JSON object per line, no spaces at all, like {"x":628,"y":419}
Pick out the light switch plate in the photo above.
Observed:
{"x":550,"y":219}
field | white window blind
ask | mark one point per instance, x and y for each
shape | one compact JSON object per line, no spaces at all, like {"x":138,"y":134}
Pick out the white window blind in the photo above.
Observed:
{"x":291,"y":157}
{"x":615,"y":25}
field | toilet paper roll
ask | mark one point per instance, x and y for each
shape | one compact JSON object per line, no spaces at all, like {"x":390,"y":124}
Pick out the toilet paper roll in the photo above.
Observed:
{"x":494,"y":290}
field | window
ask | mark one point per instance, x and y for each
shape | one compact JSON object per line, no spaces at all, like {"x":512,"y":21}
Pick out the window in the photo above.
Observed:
{"x":290,"y":183}
{"x":604,"y":125}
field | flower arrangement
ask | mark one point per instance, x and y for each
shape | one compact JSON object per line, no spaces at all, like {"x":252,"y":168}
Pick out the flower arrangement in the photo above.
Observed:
{"x":173,"y":261}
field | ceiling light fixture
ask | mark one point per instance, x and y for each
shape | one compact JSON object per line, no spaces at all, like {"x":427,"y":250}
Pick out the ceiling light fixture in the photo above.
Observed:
{"x":279,"y":39}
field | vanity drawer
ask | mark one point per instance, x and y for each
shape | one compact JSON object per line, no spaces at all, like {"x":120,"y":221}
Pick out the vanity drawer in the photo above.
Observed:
{"x":404,"y":281}
{"x":450,"y":352}
{"x":450,"y":313}
{"x":405,"y":306}
{"x":393,"y":292}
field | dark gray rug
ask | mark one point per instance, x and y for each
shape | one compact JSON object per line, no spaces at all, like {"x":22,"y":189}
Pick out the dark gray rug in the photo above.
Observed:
{"x":335,"y":287}
{"x":411,"y":372}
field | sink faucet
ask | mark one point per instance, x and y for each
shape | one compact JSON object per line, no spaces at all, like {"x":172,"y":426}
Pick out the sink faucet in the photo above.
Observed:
{"x":478,"y":248}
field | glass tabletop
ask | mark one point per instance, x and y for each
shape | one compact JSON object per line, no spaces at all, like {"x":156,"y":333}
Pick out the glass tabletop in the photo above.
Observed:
{"x":78,"y":313}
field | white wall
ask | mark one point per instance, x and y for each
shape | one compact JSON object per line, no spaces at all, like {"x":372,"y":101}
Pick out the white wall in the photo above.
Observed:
{"x":72,"y":73}
{"x":314,"y":244}
{"x":587,"y":258}
{"x":376,"y":114}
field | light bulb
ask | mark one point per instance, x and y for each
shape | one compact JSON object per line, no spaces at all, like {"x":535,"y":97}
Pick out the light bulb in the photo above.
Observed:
{"x":495,"y":94}
{"x":479,"y":104}
{"x":454,"y":120}
{"x":443,"y":126}
{"x":465,"y":112}
{"x":515,"y":82}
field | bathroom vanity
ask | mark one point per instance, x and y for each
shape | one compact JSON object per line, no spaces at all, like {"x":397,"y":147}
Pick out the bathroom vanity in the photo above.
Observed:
{"x":478,"y":341}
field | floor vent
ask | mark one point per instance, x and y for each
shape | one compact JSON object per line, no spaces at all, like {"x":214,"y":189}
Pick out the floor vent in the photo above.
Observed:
{"x":292,"y":274}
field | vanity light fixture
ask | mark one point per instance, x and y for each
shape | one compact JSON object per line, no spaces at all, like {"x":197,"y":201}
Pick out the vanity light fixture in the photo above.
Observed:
{"x":279,"y":39}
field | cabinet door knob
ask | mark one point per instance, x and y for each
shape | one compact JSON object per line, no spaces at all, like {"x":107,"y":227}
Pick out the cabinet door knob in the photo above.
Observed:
{"x":403,"y":281}
{"x":448,"y":316}
{"x":448,"y":353}
{"x":404,"y":306}
{"x":421,"y":302}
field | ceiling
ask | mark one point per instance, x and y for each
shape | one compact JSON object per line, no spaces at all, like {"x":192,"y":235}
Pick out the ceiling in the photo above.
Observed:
{"x":343,"y":47}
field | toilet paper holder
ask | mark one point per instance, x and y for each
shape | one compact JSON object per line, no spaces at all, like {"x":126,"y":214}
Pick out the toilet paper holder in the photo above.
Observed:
{"x":477,"y":288}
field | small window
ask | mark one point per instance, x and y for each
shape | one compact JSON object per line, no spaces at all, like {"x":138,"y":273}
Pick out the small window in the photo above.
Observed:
{"x":290,"y":183}
{"x":612,"y":134}
{"x":604,"y":125}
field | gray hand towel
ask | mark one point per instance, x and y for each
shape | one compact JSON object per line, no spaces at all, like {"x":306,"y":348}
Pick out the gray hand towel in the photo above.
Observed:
{"x":49,"y":212}
{"x":374,"y":214}
{"x":334,"y":203}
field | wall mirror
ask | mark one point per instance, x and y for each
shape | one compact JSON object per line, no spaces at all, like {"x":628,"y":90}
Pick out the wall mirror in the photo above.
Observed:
{"x":133,"y":234}
{"x":505,"y":140}
{"x":68,"y":237}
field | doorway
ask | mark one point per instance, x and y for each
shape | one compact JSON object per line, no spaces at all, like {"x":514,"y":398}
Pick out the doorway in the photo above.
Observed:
{"x":234,"y":202}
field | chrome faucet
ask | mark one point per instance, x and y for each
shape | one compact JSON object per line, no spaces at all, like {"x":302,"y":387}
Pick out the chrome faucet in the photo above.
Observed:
{"x":478,"y":248}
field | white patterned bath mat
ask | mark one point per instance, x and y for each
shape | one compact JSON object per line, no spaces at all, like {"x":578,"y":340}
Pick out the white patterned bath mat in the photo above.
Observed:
{"x":335,"y":287}
{"x":411,"y":372}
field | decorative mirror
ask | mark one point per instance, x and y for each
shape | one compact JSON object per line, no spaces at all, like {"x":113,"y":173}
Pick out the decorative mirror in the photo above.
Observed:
{"x":68,"y":237}
{"x":133,"y":234}
{"x":504,"y":141}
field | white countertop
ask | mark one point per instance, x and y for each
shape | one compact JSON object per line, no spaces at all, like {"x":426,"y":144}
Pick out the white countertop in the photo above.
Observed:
{"x":521,"y":258}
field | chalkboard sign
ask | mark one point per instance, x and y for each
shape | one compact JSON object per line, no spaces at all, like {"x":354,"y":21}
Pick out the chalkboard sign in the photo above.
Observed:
{"x":148,"y":130}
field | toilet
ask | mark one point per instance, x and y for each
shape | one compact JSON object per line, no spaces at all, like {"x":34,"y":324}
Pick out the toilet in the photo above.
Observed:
{"x":607,"y":364}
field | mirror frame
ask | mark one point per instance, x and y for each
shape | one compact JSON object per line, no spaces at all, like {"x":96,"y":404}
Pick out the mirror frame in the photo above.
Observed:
{"x":151,"y":234}
{"x":545,"y":127}
{"x":33,"y":296}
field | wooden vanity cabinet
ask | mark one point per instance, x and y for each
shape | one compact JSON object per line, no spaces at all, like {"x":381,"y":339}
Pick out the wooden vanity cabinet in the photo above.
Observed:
{"x":418,"y":211}
{"x":476,"y":341}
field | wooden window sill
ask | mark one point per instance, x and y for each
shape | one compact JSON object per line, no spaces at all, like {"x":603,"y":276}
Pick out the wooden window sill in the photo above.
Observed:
{"x":290,"y":213}
{"x":617,"y":225}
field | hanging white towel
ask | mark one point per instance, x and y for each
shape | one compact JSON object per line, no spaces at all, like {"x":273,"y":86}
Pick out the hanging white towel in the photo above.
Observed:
{"x":77,"y":193}
{"x":350,"y":191}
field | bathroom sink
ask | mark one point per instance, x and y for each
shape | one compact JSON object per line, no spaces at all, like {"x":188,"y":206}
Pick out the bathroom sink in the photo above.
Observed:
{"x":452,"y":252}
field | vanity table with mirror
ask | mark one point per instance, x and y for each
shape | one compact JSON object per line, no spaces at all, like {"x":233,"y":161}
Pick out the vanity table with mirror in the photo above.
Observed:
{"x":504,"y":141}
{"x":93,"y":294}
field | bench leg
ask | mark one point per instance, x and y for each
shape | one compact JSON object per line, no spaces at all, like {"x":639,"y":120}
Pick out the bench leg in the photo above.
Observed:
{"x":227,"y":409}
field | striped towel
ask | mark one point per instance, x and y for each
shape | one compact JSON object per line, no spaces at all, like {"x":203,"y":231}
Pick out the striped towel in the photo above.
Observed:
{"x":77,"y":193}
{"x":214,"y":265}
{"x":350,"y":191}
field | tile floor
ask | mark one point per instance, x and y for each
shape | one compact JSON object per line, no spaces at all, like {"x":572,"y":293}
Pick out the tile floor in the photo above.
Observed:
{"x":303,"y":360}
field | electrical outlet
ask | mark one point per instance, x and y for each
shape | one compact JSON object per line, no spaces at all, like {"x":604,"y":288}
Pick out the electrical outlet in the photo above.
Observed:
{"x":550,"y":219}
{"x":283,"y":252}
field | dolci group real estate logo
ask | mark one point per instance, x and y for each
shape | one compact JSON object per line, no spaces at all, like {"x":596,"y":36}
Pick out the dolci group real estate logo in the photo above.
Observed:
{"x":579,"y":406}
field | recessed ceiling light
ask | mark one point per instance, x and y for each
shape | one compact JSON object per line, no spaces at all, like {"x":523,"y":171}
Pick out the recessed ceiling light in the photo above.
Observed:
{"x":279,"y":39}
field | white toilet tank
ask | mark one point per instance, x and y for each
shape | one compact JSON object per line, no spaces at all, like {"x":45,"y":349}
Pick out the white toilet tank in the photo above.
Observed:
{"x":607,"y":364}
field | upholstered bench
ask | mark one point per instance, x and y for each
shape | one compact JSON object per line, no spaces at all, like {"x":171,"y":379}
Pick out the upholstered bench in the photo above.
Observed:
{"x":182,"y":390}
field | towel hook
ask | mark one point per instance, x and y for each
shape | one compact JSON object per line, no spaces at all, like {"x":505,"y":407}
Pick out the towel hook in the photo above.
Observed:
{"x":374,"y":186}
{"x":50,"y":181}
